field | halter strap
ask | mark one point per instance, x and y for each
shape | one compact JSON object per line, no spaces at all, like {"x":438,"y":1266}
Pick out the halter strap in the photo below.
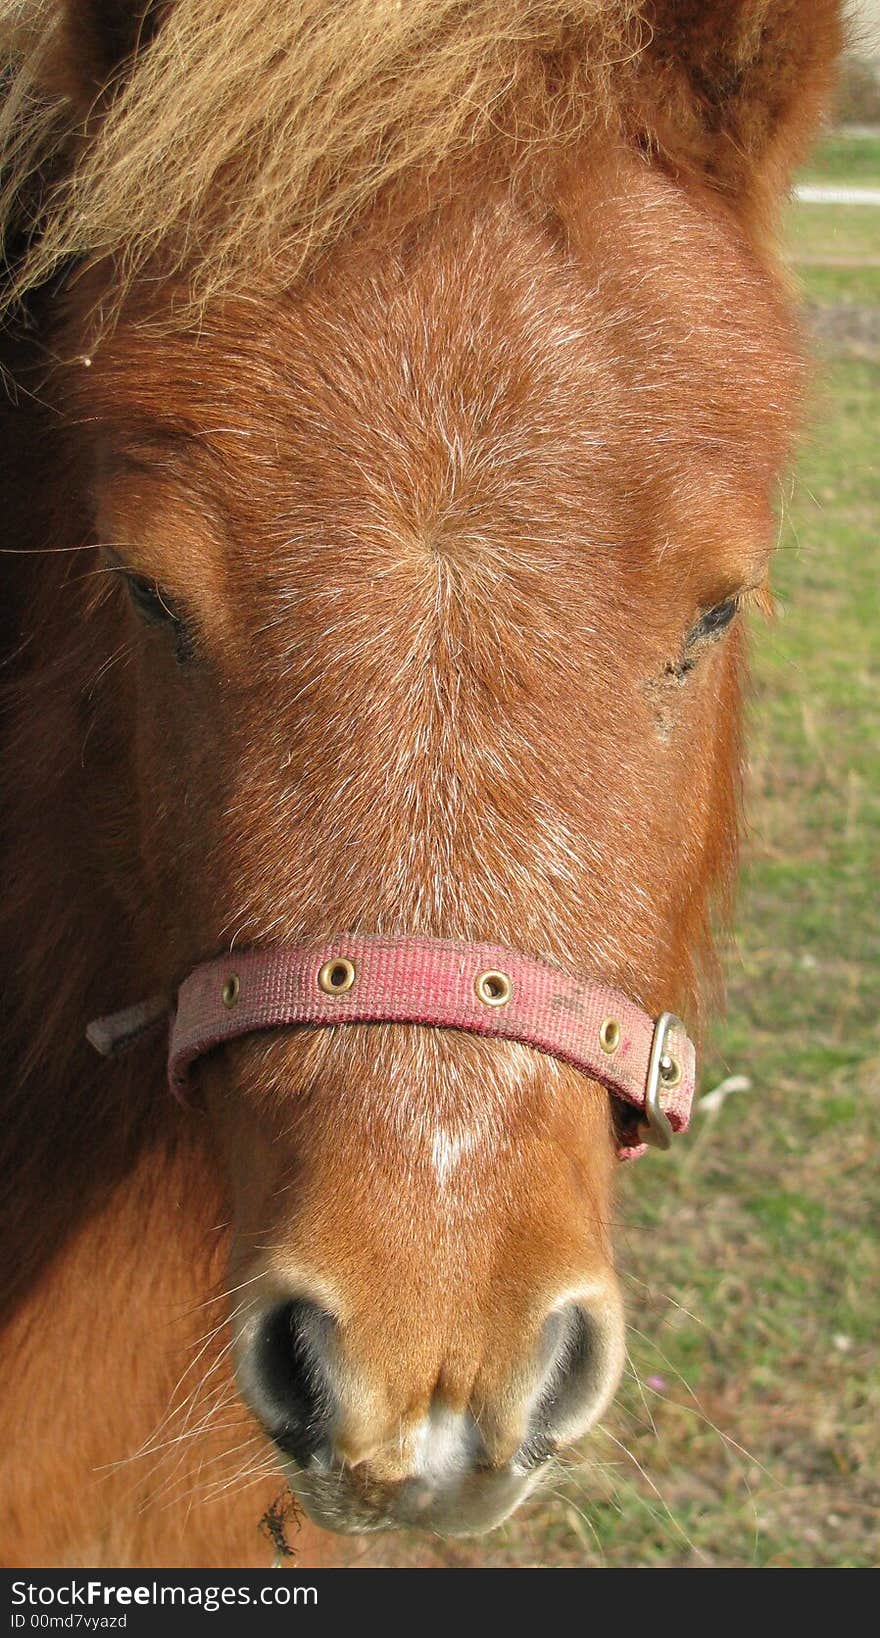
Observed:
{"x":485,"y":989}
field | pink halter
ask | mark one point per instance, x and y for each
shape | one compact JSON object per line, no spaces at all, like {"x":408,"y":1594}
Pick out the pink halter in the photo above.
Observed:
{"x":485,"y":989}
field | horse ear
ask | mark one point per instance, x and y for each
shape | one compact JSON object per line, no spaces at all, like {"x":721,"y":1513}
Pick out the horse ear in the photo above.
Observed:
{"x":737,"y":88}
{"x":102,"y":38}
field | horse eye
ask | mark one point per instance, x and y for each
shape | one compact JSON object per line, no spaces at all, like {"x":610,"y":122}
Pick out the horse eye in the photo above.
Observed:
{"x":713,"y":621}
{"x":149,"y":600}
{"x":157,"y":609}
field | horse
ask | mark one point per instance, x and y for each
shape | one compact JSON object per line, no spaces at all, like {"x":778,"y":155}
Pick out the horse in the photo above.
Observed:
{"x":395,"y":397}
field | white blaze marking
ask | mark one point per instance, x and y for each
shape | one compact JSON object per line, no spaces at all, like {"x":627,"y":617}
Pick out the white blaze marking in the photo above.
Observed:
{"x":447,"y":1149}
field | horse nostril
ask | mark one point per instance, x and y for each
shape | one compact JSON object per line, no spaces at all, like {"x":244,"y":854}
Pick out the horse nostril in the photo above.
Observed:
{"x":583,"y":1367}
{"x":294,"y":1395}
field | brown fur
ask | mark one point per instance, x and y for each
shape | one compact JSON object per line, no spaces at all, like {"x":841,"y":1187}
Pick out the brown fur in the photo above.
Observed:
{"x":442,"y":515}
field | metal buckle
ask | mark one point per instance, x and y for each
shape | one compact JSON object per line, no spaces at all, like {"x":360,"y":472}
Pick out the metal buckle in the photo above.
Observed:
{"x":656,"y":1129}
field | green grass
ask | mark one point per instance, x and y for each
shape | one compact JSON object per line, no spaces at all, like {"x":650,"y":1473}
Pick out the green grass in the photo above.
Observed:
{"x":834,"y":234}
{"x":845,"y":159}
{"x":854,"y":286}
{"x":839,"y":239}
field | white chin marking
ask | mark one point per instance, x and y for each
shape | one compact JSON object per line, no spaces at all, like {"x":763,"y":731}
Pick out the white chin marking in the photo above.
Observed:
{"x":442,"y":1445}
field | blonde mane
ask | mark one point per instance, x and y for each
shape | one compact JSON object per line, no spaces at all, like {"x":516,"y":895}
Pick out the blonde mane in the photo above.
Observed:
{"x":251,"y":133}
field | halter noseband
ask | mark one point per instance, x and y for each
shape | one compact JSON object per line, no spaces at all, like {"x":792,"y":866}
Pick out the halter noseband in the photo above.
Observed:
{"x":485,"y":989}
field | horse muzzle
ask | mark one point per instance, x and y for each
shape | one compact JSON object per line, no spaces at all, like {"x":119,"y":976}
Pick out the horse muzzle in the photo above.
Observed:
{"x":362,"y":1460}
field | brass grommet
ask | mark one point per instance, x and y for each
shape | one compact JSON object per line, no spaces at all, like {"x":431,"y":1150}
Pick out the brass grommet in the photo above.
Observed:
{"x":670,"y":1070}
{"x":231,"y":990}
{"x":609,"y":1035}
{"x":337,"y":975}
{"x":494,"y":989}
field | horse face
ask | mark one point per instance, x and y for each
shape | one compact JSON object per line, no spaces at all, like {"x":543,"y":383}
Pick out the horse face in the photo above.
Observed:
{"x":433,"y":574}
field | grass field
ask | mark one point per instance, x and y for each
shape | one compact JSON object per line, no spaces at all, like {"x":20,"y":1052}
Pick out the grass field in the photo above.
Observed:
{"x":846,"y":159}
{"x":747,"y":1430}
{"x":837,"y":248}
